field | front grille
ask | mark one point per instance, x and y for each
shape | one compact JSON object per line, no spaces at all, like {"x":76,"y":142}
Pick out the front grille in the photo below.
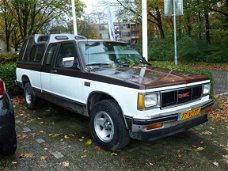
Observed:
{"x":180,"y":96}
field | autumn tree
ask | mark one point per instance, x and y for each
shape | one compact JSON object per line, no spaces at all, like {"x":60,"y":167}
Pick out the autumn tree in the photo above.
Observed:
{"x":6,"y":21}
{"x":29,"y":17}
{"x":154,"y":8}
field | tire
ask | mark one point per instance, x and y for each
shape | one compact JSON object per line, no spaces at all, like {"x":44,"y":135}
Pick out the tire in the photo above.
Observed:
{"x":29,"y":95}
{"x":107,"y":126}
{"x":10,"y":147}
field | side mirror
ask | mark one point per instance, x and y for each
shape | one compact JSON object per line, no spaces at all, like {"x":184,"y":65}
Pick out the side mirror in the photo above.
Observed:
{"x":68,"y":62}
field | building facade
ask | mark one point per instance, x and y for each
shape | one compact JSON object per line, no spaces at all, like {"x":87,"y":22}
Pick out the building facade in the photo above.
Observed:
{"x":124,"y":31}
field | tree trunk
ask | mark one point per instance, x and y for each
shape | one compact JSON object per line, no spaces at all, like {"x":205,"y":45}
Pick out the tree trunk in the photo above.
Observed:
{"x":32,"y":18}
{"x":7,"y":32}
{"x":200,"y":25}
{"x":159,"y":24}
{"x":199,"y":22}
{"x":226,"y":21}
{"x":26,"y":14}
{"x":179,"y":27}
{"x":7,"y":37}
{"x":189,"y":26}
{"x":207,"y":26}
{"x":15,"y":40}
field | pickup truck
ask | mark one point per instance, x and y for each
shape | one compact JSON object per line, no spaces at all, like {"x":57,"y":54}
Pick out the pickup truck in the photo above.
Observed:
{"x":112,"y":84}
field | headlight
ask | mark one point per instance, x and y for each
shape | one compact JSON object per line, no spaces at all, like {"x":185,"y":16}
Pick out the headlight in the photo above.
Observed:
{"x":206,"y":89}
{"x":147,"y":100}
{"x":150,"y":100}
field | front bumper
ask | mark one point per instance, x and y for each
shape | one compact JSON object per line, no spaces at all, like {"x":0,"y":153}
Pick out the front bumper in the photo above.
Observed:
{"x":171,"y":124}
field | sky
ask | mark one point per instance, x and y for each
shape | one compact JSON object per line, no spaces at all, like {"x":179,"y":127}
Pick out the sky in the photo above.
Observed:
{"x":94,"y":5}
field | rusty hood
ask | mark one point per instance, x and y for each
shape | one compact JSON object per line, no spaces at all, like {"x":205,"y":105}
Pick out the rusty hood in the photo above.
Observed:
{"x":149,"y":77}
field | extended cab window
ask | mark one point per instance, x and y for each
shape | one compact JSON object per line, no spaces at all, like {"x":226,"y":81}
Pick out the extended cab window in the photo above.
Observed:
{"x":67,"y":56}
{"x":37,"y":53}
{"x":50,"y":53}
{"x":22,"y":51}
{"x":28,"y":50}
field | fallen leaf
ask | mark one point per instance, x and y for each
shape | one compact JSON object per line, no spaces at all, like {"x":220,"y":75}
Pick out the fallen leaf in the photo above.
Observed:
{"x":206,"y":133}
{"x":21,"y":137}
{"x":43,"y":157}
{"x":66,"y":164}
{"x":55,"y":135}
{"x":225,"y":156}
{"x":114,"y":154}
{"x":199,"y":149}
{"x":84,"y":156}
{"x":221,"y":145}
{"x":212,"y":128}
{"x":216,"y":163}
{"x":179,"y":155}
{"x":89,"y":142}
{"x":25,"y":155}
{"x":66,"y":137}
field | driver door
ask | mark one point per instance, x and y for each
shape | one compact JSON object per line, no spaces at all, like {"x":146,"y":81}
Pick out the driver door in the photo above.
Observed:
{"x":64,"y":80}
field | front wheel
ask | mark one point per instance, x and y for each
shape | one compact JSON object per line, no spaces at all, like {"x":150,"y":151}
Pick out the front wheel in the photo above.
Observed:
{"x":107,"y":126}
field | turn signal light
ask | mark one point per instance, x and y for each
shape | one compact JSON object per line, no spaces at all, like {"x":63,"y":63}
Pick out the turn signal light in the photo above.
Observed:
{"x":154,"y":126}
{"x":140,"y":101}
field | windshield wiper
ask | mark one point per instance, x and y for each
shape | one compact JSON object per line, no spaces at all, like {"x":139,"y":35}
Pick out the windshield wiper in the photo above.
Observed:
{"x":123,"y":64}
{"x":98,"y":64}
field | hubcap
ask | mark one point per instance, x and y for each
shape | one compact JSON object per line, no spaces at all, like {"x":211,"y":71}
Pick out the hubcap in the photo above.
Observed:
{"x":28,"y":97}
{"x":104,"y":126}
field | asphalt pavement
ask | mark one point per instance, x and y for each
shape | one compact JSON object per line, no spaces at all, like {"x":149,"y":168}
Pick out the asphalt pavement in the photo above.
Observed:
{"x":221,"y":82}
{"x":52,"y":138}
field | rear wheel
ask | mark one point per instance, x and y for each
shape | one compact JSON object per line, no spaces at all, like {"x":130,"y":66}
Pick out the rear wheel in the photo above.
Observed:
{"x":108,"y":127}
{"x":10,"y":147}
{"x":29,"y":95}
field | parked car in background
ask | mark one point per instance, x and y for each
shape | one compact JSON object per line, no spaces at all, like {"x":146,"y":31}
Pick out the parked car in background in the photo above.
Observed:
{"x":114,"y":86}
{"x":8,"y":140}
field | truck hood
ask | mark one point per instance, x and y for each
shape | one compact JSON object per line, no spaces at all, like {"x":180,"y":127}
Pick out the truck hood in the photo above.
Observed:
{"x":148,"y":77}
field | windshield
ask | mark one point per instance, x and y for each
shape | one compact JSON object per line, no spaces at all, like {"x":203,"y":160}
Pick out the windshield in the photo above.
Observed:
{"x":109,"y":53}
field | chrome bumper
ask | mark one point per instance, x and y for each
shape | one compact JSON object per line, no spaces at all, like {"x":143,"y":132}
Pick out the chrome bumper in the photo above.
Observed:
{"x":171,"y":124}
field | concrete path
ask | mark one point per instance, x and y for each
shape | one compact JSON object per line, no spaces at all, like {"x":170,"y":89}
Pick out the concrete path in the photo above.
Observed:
{"x":221,"y":82}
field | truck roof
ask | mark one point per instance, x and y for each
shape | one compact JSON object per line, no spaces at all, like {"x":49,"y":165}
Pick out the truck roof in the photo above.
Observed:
{"x":53,"y":38}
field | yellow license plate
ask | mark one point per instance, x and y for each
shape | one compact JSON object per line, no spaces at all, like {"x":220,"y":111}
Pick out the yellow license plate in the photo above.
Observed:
{"x":189,"y":114}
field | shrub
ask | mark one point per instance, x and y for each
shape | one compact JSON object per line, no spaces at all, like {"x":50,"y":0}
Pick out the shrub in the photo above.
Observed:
{"x":191,"y":50}
{"x":188,"y":49}
{"x":161,"y":50}
{"x":171,"y":66}
{"x":8,"y":74}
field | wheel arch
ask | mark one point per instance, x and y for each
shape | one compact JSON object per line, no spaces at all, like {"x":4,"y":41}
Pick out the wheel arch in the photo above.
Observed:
{"x":25,"y":79}
{"x":97,"y":96}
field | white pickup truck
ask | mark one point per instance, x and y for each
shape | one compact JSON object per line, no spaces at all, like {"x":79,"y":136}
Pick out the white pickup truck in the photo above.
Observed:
{"x":111,"y":83}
